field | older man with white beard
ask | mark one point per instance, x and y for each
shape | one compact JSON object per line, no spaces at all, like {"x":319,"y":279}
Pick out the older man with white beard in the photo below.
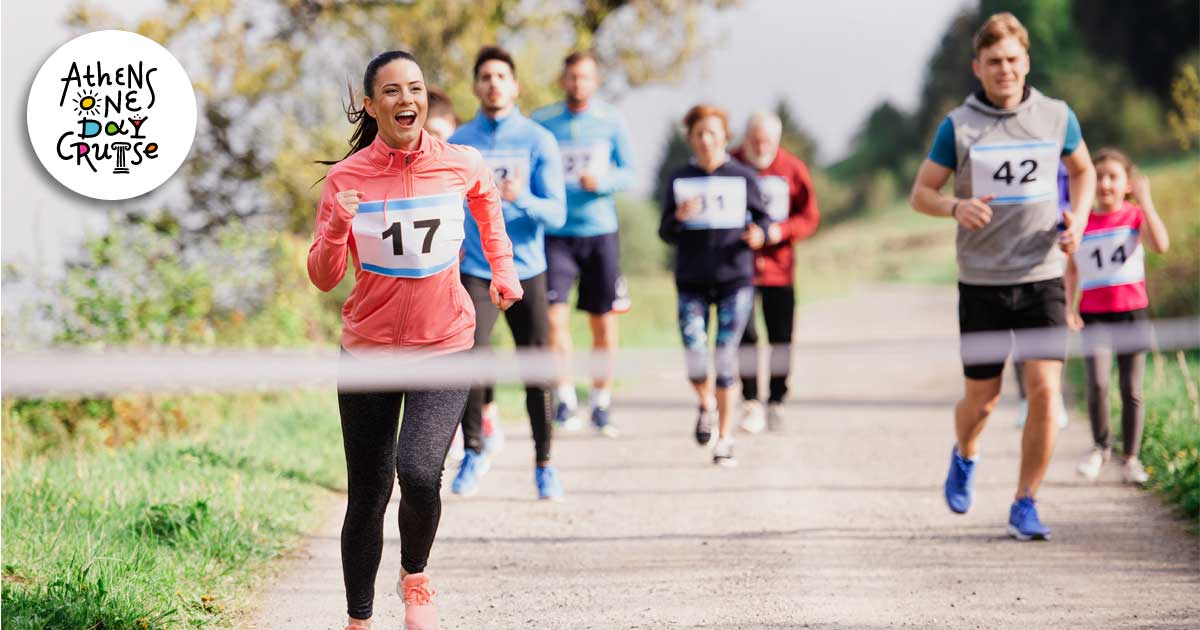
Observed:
{"x":792,"y":204}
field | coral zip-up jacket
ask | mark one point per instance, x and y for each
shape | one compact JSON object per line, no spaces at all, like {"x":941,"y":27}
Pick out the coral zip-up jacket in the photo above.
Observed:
{"x":431,"y":313}
{"x":773,"y":263}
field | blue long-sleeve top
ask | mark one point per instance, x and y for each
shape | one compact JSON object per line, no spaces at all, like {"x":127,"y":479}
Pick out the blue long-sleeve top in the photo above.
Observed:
{"x":516,"y":147}
{"x":594,"y":140}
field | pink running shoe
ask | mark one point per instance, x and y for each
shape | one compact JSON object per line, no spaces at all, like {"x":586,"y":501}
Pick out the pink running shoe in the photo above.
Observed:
{"x":419,"y":612}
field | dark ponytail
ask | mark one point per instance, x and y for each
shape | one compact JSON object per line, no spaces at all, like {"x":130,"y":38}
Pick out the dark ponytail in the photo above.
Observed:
{"x":367,"y":127}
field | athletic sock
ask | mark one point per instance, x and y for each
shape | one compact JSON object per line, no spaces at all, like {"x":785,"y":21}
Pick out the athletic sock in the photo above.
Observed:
{"x":566,"y":395}
{"x":600,"y":398}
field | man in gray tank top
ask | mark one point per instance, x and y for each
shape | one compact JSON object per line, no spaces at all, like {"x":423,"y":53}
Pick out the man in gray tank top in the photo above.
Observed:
{"x":1003,"y":146}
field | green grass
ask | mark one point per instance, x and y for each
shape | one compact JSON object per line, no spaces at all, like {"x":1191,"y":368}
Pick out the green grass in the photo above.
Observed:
{"x":168,"y":534}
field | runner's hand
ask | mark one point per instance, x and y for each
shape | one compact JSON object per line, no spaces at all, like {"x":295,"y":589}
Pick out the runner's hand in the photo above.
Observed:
{"x":685,"y":210}
{"x":1070,"y":238}
{"x":348,"y":200}
{"x":1074,"y":321}
{"x":1141,"y":188}
{"x":754,"y":236}
{"x":973,"y":214}
{"x":499,"y":302}
{"x":509,"y":189}
{"x":774,"y":234}
{"x":588,"y":182}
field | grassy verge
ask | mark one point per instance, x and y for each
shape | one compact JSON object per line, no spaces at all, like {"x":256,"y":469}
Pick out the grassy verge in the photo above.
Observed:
{"x":166,"y":534}
{"x":1171,"y":441}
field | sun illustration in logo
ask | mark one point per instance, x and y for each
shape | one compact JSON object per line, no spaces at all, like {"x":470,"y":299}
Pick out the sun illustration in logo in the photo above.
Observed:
{"x":85,"y":101}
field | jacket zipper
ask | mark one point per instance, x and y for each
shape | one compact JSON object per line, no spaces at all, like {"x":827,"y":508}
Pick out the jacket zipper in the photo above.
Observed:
{"x":402,"y":319}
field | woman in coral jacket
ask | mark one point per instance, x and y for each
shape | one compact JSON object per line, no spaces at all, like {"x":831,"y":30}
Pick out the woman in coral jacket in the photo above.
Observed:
{"x":395,"y":203}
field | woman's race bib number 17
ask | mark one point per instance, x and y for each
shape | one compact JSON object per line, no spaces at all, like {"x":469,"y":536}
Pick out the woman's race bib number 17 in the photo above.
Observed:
{"x":1013,"y":173}
{"x":410,"y":238}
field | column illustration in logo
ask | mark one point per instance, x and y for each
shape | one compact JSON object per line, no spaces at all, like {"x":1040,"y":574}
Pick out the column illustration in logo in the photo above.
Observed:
{"x":111,"y":115}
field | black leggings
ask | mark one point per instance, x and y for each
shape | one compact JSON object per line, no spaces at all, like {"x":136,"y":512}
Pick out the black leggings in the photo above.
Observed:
{"x":374,"y":460}
{"x":530,"y":327}
{"x":1131,"y":368}
{"x":779,"y":311}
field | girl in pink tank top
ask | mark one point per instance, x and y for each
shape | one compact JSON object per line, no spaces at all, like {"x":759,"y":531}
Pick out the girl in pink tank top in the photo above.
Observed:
{"x":1109,"y":269}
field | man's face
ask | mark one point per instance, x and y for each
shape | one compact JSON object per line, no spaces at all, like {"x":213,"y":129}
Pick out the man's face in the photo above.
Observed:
{"x":495,"y":86}
{"x":760,"y":146}
{"x":1002,"y":68}
{"x":580,"y":81}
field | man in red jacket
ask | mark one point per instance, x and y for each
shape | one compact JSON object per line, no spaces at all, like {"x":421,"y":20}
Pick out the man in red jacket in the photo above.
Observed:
{"x":792,"y":204}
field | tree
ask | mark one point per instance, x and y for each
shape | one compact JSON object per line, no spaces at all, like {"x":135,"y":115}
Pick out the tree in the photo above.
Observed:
{"x":675,"y":155}
{"x":1149,"y":38}
{"x":266,"y":77}
{"x":796,"y":139}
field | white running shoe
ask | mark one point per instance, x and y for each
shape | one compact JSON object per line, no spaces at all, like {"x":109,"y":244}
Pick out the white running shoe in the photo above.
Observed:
{"x":1132,"y":472}
{"x":753,"y":418}
{"x":775,"y":417}
{"x":1089,"y":467}
{"x":1063,"y":418}
{"x":723,"y":453}
{"x":493,"y":432}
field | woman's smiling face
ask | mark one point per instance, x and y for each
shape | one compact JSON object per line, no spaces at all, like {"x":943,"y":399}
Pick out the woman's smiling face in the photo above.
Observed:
{"x":399,"y":103}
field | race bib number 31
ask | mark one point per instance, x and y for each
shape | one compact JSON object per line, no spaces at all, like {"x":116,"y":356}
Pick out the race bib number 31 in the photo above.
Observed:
{"x":1015,"y":173}
{"x":580,"y":159}
{"x":410,"y":238}
{"x":1109,"y":258}
{"x":723,"y":201}
{"x":777,"y":194}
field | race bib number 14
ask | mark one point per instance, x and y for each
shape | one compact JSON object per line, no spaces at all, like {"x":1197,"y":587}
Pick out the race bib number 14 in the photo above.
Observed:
{"x":1013,"y":173}
{"x":1109,"y":258}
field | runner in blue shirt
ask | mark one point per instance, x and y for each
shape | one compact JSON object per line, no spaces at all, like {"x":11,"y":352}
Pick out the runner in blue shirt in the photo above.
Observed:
{"x":597,"y":162}
{"x":528,"y":169}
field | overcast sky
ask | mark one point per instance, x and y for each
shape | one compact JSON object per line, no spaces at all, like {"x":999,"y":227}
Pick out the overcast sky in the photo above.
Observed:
{"x":833,"y":61}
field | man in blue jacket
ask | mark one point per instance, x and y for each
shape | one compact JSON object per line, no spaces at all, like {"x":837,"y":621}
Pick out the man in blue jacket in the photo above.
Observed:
{"x":528,"y":170}
{"x":597,"y":163}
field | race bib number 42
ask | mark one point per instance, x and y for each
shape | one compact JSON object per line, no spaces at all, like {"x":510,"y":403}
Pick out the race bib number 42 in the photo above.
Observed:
{"x":1109,"y":258}
{"x":722,"y":199}
{"x":777,"y":194}
{"x":580,"y":159}
{"x":1020,"y":172}
{"x":410,"y":238}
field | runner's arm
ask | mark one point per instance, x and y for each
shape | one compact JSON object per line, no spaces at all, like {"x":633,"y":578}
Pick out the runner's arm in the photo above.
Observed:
{"x":804,"y":216}
{"x":926,"y":197}
{"x":1154,"y":236}
{"x":756,"y":203}
{"x":1082,"y":176}
{"x":620,"y":175}
{"x":483,"y":199}
{"x":327,"y":255}
{"x":545,"y":201}
{"x":668,"y":226}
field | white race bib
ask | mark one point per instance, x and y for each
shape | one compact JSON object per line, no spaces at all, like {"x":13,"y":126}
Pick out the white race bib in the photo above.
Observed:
{"x":1109,"y":258}
{"x":412,"y":238}
{"x":723,"y":201}
{"x":1017,"y":172}
{"x":778,"y":195}
{"x":508,"y":165}
{"x":580,"y":158}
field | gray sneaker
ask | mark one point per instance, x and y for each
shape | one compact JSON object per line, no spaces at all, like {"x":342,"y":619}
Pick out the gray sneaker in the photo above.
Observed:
{"x":775,"y":417}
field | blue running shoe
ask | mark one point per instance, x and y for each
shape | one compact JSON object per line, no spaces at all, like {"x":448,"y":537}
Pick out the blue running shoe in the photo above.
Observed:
{"x":960,"y":483}
{"x":1023,"y":521}
{"x":566,"y":419}
{"x":600,"y":421}
{"x":474,"y":465}
{"x":548,"y":485}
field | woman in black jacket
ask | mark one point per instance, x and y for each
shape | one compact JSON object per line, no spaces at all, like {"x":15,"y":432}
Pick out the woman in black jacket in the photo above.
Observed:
{"x":714,"y":216}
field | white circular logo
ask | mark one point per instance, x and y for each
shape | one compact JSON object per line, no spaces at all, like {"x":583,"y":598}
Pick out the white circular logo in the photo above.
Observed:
{"x":111,"y":115}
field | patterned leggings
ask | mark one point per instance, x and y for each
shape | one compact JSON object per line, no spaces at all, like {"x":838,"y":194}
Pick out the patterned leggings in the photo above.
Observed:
{"x":733,"y":311}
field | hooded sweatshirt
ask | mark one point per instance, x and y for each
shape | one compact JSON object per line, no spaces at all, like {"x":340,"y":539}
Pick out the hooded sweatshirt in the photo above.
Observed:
{"x":404,"y":243}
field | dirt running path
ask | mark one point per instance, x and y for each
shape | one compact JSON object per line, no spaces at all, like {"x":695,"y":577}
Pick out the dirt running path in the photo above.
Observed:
{"x":839,"y":523}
